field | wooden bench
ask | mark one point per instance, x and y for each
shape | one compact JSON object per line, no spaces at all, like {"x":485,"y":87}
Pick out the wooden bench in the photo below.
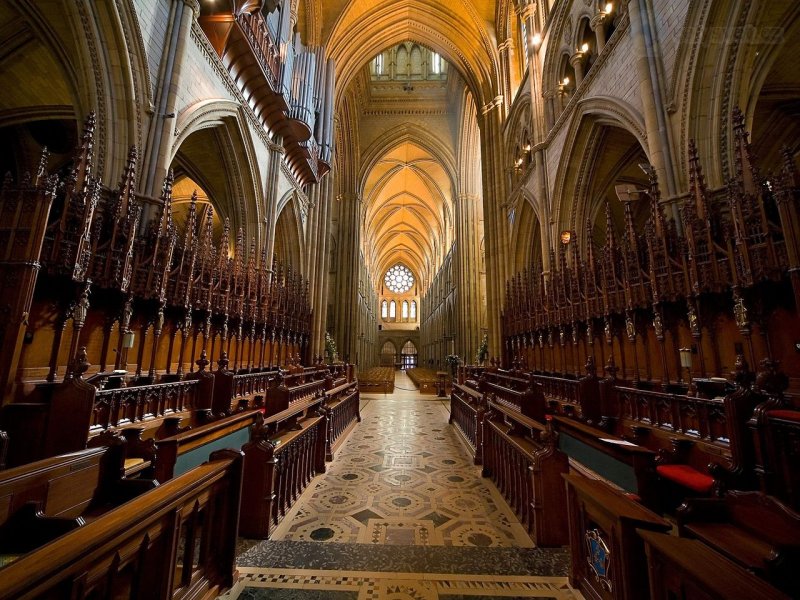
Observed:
{"x":690,"y":570}
{"x":755,"y":531}
{"x":630,"y":466}
{"x":179,"y":453}
{"x":44,"y":499}
{"x":377,"y":380}
{"x":607,"y":554}
{"x":176,"y":541}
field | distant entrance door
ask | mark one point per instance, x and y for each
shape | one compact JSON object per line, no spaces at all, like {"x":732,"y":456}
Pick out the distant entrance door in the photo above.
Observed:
{"x":408,"y":356}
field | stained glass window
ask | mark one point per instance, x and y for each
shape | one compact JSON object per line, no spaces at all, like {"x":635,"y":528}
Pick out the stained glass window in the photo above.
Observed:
{"x":399,"y":279}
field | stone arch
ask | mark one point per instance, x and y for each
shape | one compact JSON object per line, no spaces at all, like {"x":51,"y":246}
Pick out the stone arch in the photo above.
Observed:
{"x":240,"y":177}
{"x":289,"y":235}
{"x":102,"y":70}
{"x":593,"y":117}
{"x":455,"y":32}
{"x":526,"y":233}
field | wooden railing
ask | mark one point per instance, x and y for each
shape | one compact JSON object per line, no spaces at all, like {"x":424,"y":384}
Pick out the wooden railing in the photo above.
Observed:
{"x":276,"y":472}
{"x":702,"y":418}
{"x":343,"y":411}
{"x":262,"y":44}
{"x":515,"y":390}
{"x":526,"y":465}
{"x":130,"y":405}
{"x":466,"y":413}
{"x":176,"y":541}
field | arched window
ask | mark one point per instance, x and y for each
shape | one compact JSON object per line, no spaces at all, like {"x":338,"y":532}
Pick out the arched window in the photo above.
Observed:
{"x":392,"y":309}
{"x":413,"y":310}
{"x":436,"y":63}
{"x":405,"y":309}
{"x":384,"y":309}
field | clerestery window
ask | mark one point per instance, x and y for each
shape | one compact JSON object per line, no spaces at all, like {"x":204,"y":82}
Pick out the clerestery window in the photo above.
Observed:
{"x":399,"y":279}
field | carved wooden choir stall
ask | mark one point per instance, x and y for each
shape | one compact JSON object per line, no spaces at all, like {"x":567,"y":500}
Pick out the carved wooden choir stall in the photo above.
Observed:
{"x":676,"y":313}
{"x":107,"y":302}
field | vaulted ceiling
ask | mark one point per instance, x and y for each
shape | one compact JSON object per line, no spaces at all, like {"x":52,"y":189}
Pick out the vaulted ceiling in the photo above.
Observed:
{"x":408,"y":199}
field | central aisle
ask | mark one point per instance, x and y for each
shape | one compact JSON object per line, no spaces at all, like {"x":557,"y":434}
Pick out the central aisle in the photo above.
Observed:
{"x":402,"y":513}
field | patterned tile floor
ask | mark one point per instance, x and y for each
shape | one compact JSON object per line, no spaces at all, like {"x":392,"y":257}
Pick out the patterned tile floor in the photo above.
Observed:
{"x":401,"y":513}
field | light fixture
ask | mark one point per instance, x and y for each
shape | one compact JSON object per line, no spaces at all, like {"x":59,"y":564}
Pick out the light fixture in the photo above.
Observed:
{"x":566,"y":237}
{"x":127,"y":340}
{"x":609,"y":8}
{"x":527,"y":148}
{"x":566,"y":81}
{"x":686,"y":358}
{"x":537,"y":39}
{"x":686,"y":363}
{"x":584,"y":47}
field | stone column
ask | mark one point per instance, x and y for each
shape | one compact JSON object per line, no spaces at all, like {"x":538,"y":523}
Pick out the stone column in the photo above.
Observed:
{"x":348,"y":273}
{"x":576,"y":60}
{"x":598,"y":25}
{"x":495,"y":218}
{"x":655,"y":117}
{"x":157,"y":153}
{"x":276,"y":152}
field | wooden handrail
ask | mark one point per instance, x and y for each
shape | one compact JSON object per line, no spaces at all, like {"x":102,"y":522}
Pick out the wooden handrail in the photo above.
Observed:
{"x":86,"y":556}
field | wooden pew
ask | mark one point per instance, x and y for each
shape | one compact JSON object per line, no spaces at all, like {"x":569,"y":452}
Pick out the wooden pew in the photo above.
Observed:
{"x":572,"y":397}
{"x":61,"y":418}
{"x":522,"y":458}
{"x":179,"y":453}
{"x":515,"y":389}
{"x":44,"y":499}
{"x":757,"y":532}
{"x":176,"y":541}
{"x":467,"y":410}
{"x":630,"y":466}
{"x":607,"y":554}
{"x":690,"y":570}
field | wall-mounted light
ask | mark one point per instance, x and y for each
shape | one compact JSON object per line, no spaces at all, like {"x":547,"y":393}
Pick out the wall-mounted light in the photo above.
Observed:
{"x":686,"y":363}
{"x":566,"y":237}
{"x":536,"y":39}
{"x":565,"y":81}
{"x":609,"y":8}
{"x":584,"y":47}
{"x":128,"y":340}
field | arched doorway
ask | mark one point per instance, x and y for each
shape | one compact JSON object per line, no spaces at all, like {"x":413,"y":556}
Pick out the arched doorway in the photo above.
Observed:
{"x":388,"y":354}
{"x":408,"y":356}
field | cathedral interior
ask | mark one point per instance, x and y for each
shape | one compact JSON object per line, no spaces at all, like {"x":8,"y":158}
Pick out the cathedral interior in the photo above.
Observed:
{"x":356,"y":300}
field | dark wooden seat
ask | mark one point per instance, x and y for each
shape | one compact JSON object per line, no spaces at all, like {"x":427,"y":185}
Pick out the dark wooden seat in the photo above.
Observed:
{"x":43,"y":500}
{"x":176,"y":541}
{"x":691,"y":570}
{"x":756,"y":531}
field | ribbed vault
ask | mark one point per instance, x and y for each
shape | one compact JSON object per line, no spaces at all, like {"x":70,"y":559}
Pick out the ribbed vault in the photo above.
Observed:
{"x":408,"y":217}
{"x":458,"y":30}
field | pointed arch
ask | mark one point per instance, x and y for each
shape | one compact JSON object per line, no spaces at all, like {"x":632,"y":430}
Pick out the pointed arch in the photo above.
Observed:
{"x":237,"y":176}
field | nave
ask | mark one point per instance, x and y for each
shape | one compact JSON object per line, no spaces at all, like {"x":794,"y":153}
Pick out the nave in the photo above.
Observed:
{"x":401,"y":513}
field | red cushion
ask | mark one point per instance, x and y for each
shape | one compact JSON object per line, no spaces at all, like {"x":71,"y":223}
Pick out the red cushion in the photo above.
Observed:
{"x":790,"y":415}
{"x":686,"y":476}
